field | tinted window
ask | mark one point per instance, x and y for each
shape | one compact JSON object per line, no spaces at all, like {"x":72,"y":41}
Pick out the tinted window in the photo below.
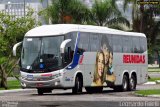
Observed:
{"x":110,"y":40}
{"x":95,"y":42}
{"x":127,"y":44}
{"x":84,"y":41}
{"x":69,"y":48}
{"x":143,"y":44}
{"x":117,"y":43}
{"x":73,"y":37}
{"x":136,"y":44}
{"x":106,"y":42}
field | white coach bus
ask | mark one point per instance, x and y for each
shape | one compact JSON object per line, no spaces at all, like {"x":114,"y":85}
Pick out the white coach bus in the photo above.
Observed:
{"x":64,"y":56}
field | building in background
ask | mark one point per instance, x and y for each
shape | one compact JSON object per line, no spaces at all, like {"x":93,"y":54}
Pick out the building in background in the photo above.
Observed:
{"x":19,"y":8}
{"x":89,"y":3}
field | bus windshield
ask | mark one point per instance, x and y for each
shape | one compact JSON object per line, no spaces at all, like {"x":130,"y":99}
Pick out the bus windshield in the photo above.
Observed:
{"x":41,"y":53}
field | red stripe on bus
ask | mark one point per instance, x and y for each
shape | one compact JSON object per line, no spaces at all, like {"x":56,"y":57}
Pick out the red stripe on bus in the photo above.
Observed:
{"x":81,"y":59}
{"x":46,"y":75}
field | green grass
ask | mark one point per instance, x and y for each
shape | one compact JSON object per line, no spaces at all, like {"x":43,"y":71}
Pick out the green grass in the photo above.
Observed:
{"x":153,"y":69}
{"x":148,"y":92}
{"x":154,"y":79}
{"x":12,"y":84}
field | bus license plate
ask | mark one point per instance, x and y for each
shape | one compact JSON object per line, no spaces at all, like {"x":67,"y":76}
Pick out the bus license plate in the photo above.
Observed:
{"x":39,"y":84}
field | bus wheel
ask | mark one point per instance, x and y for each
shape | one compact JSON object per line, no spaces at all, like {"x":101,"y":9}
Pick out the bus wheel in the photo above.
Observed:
{"x":124,"y":86}
{"x":125,"y":83}
{"x":132,"y":83}
{"x":40,"y":91}
{"x":78,"y":85}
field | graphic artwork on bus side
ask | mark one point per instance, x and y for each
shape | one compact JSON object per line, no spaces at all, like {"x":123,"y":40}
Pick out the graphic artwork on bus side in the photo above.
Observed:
{"x":99,"y":73}
{"x":104,"y":72}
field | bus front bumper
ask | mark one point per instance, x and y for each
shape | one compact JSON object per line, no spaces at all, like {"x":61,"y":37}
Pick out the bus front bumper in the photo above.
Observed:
{"x":54,"y":83}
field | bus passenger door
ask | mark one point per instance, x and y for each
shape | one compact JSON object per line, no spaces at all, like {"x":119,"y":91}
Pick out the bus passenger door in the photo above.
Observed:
{"x":89,"y":67}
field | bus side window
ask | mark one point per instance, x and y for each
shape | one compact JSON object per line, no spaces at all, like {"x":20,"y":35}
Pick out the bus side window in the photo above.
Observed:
{"x":143,"y":43}
{"x":95,"y":42}
{"x":127,"y":44}
{"x":117,"y":43}
{"x":69,"y":49}
{"x":83,"y":44}
{"x":110,"y":41}
{"x":136,"y":45}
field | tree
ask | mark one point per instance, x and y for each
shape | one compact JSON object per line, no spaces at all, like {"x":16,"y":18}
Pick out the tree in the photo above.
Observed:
{"x":66,"y":11}
{"x":12,"y":31}
{"x":106,"y":13}
{"x":148,"y":26}
{"x":143,"y":18}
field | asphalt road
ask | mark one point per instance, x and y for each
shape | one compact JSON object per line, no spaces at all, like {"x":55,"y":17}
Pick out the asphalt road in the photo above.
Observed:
{"x":64,"y":98}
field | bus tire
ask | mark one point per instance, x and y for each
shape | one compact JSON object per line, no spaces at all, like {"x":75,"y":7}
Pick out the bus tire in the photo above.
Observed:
{"x":78,"y":85}
{"x":125,"y":83}
{"x":40,"y":91}
{"x":132,"y":83}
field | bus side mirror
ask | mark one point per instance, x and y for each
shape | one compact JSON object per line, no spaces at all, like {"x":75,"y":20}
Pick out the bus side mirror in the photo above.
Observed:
{"x":62,"y":48}
{"x":15,"y":48}
{"x":63,"y":44}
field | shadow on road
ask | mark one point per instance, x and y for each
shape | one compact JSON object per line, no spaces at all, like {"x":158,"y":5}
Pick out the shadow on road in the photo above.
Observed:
{"x":62,"y":93}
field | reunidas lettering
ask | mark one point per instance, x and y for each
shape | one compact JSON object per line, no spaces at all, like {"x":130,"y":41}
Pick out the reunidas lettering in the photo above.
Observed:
{"x":134,"y":59}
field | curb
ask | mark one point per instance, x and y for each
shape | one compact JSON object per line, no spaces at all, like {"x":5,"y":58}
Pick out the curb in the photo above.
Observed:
{"x":15,"y":90}
{"x":150,"y":83}
{"x":155,"y":96}
{"x":141,"y":95}
{"x":157,"y":81}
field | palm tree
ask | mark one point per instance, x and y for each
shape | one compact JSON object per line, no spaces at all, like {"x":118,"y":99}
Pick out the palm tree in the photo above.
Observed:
{"x":66,"y":11}
{"x":106,"y":13}
{"x":148,"y":26}
{"x":151,"y":26}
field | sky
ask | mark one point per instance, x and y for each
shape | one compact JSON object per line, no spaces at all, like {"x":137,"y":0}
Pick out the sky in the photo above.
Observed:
{"x":128,"y":12}
{"x":22,"y":1}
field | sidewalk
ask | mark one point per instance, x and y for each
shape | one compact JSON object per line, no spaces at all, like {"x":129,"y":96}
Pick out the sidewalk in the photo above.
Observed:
{"x":153,"y":65}
{"x":157,"y":96}
{"x":15,"y":90}
{"x":141,"y":95}
{"x":152,"y":82}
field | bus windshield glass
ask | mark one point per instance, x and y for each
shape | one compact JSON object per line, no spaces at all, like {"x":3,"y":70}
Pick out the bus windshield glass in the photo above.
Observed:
{"x":41,"y":53}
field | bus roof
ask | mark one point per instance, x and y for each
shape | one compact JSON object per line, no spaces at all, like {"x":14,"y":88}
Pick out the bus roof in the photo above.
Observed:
{"x":60,"y":29}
